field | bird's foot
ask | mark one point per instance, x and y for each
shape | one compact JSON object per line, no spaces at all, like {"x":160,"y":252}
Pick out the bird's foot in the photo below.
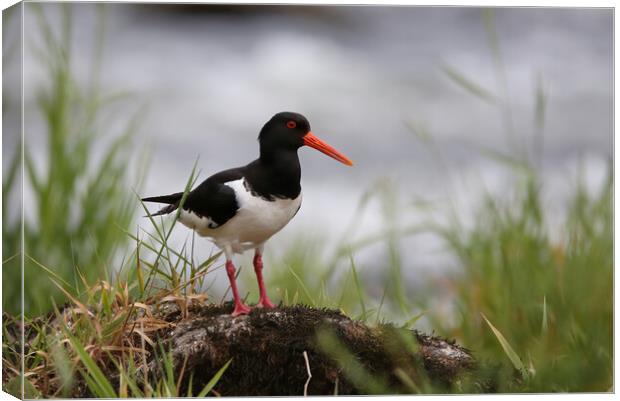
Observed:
{"x":264,"y":302}
{"x":241,"y":309}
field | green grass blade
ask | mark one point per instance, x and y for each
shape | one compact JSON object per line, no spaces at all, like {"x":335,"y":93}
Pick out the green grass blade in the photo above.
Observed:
{"x":468,"y":84}
{"x":409,"y":323}
{"x":370,"y":383}
{"x":130,"y":375}
{"x":381,"y":305}
{"x":303,"y":287}
{"x":93,"y":373}
{"x":164,"y":240}
{"x":50,"y":272}
{"x":190,"y":385}
{"x":510,"y":352}
{"x":358,"y":287}
{"x":541,"y":105}
{"x":545,"y":317}
{"x":406,"y":380}
{"x":216,"y":378}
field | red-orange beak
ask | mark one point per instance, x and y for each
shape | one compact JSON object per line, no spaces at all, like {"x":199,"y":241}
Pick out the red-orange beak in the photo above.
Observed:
{"x":316,"y":143}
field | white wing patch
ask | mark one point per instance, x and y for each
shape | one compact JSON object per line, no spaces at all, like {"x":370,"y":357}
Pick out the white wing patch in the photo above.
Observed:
{"x":198,"y":223}
{"x":254,"y":223}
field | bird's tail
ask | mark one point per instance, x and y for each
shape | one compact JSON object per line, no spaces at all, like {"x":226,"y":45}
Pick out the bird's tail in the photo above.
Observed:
{"x":172,"y":201}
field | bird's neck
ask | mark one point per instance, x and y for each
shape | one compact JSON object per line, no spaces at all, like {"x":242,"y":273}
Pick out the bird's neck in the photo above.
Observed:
{"x":278,"y":173}
{"x":270,"y":155}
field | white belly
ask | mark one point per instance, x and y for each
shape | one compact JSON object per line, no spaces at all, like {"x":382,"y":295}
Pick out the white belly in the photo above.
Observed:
{"x":254,"y":223}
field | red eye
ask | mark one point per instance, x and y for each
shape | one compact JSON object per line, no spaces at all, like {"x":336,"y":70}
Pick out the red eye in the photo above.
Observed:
{"x":291,"y":124}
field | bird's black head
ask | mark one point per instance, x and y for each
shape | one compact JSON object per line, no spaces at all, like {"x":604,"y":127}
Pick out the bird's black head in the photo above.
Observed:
{"x":288,"y":131}
{"x":285,"y":130}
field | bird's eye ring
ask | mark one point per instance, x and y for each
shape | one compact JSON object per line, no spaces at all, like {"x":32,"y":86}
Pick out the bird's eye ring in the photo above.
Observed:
{"x":291,"y":124}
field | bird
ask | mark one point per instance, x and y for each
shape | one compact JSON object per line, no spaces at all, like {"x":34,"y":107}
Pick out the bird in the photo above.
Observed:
{"x":239,"y":209}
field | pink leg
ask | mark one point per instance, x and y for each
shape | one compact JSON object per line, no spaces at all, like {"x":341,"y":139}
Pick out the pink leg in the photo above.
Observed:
{"x":263,"y":301}
{"x":240,"y":308}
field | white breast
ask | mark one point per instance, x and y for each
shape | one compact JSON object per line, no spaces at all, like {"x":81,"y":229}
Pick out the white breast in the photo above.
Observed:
{"x":254,"y":223}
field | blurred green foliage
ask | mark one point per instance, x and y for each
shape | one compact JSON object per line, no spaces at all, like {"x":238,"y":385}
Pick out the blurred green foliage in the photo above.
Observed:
{"x":552,"y":300}
{"x":92,"y":341}
{"x":79,"y":199}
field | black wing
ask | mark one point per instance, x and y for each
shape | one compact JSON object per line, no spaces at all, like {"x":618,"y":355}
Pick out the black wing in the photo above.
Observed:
{"x":172,"y":200}
{"x":213,"y":199}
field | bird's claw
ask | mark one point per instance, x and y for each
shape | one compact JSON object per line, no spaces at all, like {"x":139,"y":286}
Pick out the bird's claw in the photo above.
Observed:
{"x":265,"y":303}
{"x":241,"y":309}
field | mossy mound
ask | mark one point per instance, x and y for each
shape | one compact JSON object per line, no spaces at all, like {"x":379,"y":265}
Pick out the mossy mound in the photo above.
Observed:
{"x":267,"y":351}
{"x":271,"y":352}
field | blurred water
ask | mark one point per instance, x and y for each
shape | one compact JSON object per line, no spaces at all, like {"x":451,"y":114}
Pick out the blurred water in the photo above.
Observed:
{"x":211,"y":78}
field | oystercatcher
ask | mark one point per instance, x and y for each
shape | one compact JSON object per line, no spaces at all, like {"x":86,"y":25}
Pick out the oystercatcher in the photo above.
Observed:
{"x":241,"y":208}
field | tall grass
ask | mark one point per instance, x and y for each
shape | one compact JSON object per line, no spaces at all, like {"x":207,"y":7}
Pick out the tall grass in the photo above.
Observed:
{"x":538,"y":299}
{"x":97,"y":343}
{"x":80,"y":198}
{"x":535,"y":304}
